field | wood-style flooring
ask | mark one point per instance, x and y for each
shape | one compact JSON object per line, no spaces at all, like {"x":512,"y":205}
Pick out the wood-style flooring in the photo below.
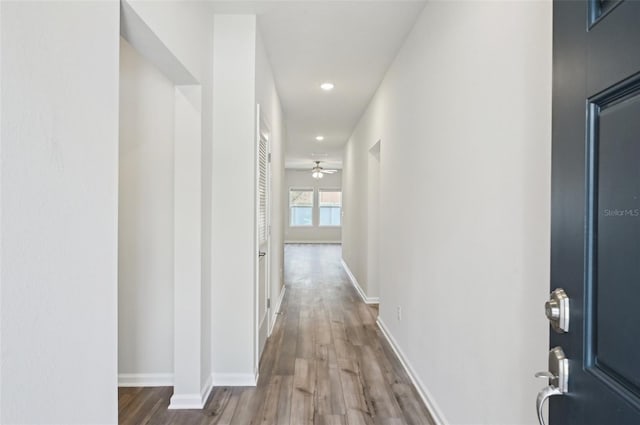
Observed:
{"x":326,"y":363}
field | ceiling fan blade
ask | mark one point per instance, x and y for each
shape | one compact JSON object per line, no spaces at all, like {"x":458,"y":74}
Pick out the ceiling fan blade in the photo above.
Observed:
{"x":329,"y":171}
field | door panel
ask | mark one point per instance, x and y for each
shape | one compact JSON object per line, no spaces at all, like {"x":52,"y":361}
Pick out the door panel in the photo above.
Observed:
{"x":617,"y":238}
{"x":263,"y":182}
{"x":596,"y":208}
{"x":613,"y":43}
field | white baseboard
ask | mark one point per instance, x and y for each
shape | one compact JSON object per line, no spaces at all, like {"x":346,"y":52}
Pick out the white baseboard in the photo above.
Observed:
{"x":276,"y":310}
{"x":185,"y":401}
{"x":234,"y":380}
{"x":314,"y":242}
{"x":262,"y":322}
{"x":206,"y":390}
{"x":354,"y":282}
{"x":192,"y":401}
{"x":425,"y":395}
{"x":145,"y":379}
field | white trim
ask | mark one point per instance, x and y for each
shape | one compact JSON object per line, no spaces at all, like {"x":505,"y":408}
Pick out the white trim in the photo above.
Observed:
{"x":354,"y":282}
{"x":256,"y":242}
{"x":145,"y":379}
{"x":282,"y":292}
{"x":206,"y":390}
{"x":425,"y":395}
{"x":192,"y":401}
{"x":234,"y":379}
{"x":263,"y":323}
{"x":314,"y":242}
{"x":185,"y":401}
{"x":264,"y":317}
{"x":276,"y":310}
{"x":263,"y":130}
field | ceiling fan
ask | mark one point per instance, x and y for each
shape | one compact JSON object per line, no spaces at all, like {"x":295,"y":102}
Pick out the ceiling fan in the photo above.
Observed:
{"x":317,"y":172}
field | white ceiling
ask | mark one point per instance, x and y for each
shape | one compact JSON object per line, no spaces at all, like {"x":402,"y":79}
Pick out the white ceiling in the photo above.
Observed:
{"x":350,"y":43}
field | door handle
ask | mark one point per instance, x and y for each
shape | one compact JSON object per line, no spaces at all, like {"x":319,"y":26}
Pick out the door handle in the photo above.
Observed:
{"x":261,"y":254}
{"x":543,"y":395}
{"x":558,"y":376}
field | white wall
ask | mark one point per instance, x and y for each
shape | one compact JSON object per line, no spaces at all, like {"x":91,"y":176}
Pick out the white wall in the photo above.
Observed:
{"x":373,"y":221}
{"x":271,"y":111}
{"x":187,"y":29}
{"x":233,"y":217}
{"x":146,"y":218}
{"x":187,"y":277}
{"x":183,"y":27}
{"x":177,"y":37}
{"x":464,"y":118}
{"x":206,"y":44}
{"x":59,"y":186}
{"x":302,"y":179}
{"x":355,"y":202}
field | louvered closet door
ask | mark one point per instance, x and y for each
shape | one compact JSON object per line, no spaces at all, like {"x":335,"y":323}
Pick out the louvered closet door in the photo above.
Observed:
{"x":262,"y":190}
{"x":262,"y":228}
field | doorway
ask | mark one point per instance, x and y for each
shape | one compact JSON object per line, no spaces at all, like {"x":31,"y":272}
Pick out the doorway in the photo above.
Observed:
{"x":160,"y":300}
{"x":263,"y":233}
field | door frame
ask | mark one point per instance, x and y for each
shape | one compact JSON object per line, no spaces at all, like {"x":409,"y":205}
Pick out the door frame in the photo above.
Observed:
{"x":262,"y":130}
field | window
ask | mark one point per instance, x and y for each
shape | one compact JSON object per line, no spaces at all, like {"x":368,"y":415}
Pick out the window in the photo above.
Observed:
{"x":330,"y":207}
{"x":301,"y":207}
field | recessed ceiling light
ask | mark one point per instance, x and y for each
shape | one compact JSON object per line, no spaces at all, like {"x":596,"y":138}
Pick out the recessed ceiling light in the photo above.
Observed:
{"x":327,"y":86}
{"x":320,"y":138}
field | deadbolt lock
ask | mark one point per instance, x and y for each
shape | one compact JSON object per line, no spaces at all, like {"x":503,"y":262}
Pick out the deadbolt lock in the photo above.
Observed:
{"x":557,"y":310}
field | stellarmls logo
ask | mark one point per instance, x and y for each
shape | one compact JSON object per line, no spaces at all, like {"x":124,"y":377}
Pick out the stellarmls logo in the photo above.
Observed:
{"x":632,"y":212}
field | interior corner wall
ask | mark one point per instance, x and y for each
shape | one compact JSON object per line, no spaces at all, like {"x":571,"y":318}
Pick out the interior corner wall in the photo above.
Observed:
{"x":185,"y":29}
{"x":187,"y":281}
{"x":59,"y":188}
{"x":182,"y":27}
{"x":233,"y":224}
{"x":271,"y":110}
{"x":206,"y":44}
{"x":464,"y":115}
{"x":373,"y":222}
{"x":355,"y":243}
{"x":146,"y":220}
{"x":302,"y":179}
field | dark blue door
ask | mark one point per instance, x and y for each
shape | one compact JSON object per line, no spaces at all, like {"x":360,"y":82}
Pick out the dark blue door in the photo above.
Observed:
{"x":596,"y":208}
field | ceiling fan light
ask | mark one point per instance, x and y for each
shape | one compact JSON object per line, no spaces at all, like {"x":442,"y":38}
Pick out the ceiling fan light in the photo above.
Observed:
{"x":317,"y":175}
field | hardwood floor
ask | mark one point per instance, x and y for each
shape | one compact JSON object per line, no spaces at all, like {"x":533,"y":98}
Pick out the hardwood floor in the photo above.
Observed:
{"x":326,"y":363}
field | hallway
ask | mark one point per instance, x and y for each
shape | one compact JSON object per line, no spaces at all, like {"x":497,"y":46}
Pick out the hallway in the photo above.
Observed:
{"x":402,"y":152}
{"x":326,"y":362}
